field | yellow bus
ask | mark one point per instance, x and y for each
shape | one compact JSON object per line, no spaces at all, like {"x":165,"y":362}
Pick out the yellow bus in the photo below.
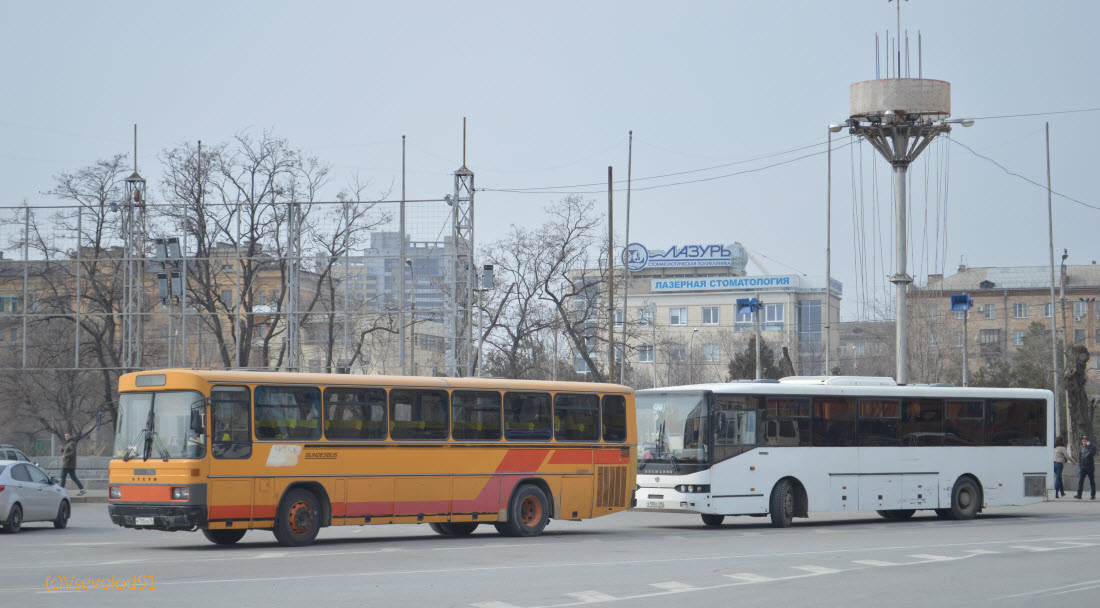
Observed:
{"x":229,"y":451}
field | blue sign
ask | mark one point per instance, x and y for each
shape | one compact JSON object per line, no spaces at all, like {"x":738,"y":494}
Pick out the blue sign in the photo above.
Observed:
{"x":963,"y":302}
{"x":747,"y":305}
{"x":772,"y":283}
{"x":637,"y":257}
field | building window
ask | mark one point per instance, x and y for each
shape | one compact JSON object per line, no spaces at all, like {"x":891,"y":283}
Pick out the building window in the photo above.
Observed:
{"x":227,"y":297}
{"x":677,"y":316}
{"x":580,"y":365}
{"x":931,"y":339}
{"x":990,"y":311}
{"x":710,"y":315}
{"x":742,"y":321}
{"x":990,"y":336}
{"x":645,"y":353}
{"x":1046,"y":310}
{"x":618,"y":318}
{"x":773,"y":317}
{"x":958,"y":339}
{"x":1080,"y":309}
{"x":858,"y":350}
{"x":960,"y":314}
{"x":645,"y":316}
{"x":1019,"y":311}
{"x":710,"y":353}
{"x":1018,"y":337}
{"x":1078,"y":336}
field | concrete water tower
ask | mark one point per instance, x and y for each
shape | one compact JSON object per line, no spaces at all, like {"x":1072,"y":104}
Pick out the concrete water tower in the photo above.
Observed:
{"x":900,"y":117}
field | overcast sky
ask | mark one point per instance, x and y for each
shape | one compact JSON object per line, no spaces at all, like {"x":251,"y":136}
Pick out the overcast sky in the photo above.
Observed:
{"x":551,"y":90}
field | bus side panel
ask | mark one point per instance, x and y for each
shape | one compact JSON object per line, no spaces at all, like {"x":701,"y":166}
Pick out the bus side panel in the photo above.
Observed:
{"x":419,"y":497}
{"x":575,"y":501}
{"x":474,"y":496}
{"x":230,"y":503}
{"x":370,"y":497}
{"x":264,"y":503}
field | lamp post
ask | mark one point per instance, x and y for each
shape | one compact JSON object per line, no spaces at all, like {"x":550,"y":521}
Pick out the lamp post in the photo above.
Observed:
{"x":833,"y":128}
{"x":691,"y":358}
{"x":753,"y":306}
{"x":963,"y":303}
{"x":653,"y":327}
{"x":412,"y":319}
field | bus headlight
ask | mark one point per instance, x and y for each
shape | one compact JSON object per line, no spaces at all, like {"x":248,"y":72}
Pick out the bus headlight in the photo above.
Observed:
{"x":114,"y":492}
{"x":180,"y":493}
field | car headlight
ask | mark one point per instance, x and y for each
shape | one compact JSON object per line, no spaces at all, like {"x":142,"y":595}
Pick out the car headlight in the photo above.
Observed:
{"x":180,"y":493}
{"x":693,"y":489}
{"x":114,"y":492}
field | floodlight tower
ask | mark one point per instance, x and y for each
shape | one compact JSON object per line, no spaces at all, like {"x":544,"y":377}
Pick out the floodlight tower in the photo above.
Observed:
{"x":133,"y":225}
{"x":900,"y":117}
{"x":465,"y":276}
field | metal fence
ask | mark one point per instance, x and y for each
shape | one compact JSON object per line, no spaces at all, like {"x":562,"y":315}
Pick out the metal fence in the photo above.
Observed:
{"x":299,"y":286}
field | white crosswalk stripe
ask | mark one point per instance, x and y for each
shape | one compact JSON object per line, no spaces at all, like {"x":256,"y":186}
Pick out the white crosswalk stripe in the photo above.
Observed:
{"x":874,"y":562}
{"x":673,"y":586}
{"x":931,"y":558}
{"x":1036,"y":549}
{"x":494,"y":604}
{"x":748,"y":577}
{"x":816,"y":569}
{"x":591,"y":596}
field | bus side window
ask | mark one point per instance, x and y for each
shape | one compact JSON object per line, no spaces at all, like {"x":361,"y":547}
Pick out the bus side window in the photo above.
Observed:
{"x":419,"y":414}
{"x":527,"y":416}
{"x":788,"y":422}
{"x":355,"y":413}
{"x":229,"y":422}
{"x":576,"y":417}
{"x":475,"y":415}
{"x":922,"y":422}
{"x":614,"y":418}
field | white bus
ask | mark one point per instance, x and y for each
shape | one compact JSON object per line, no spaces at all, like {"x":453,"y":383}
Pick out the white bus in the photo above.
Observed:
{"x":786,"y":448}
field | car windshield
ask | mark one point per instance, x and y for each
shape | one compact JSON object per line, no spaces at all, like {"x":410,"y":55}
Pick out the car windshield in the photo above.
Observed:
{"x":672,"y":427}
{"x":158,"y":425}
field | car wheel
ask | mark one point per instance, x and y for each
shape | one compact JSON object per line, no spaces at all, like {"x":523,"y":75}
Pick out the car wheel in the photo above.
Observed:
{"x":63,"y":512}
{"x":14,"y":520}
{"x":965,"y":499}
{"x":781,"y":504}
{"x":461,"y":528}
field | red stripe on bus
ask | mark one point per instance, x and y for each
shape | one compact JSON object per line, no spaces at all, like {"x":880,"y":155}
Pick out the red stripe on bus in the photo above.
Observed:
{"x":522,"y":460}
{"x":263,"y":511}
{"x":230,"y":512}
{"x":571,"y":457}
{"x":338,"y":509}
{"x":487,"y":500}
{"x":372,"y":509}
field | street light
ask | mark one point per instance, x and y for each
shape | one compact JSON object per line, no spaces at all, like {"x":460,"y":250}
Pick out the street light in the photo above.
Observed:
{"x":753,"y":306}
{"x":691,"y":362}
{"x":963,"y":303}
{"x":833,"y":128}
{"x":412,"y":318}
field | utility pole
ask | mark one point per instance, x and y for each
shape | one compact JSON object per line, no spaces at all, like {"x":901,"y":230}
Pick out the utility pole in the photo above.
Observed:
{"x":626,"y":244}
{"x":610,"y":282}
{"x":401,"y":263}
{"x":1053,"y":321}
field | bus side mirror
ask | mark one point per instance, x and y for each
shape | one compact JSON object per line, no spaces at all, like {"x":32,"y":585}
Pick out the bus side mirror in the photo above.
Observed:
{"x":197,"y":422}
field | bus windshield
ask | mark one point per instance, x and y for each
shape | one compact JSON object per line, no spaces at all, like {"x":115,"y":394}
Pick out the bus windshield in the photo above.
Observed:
{"x":158,"y":425}
{"x":672,"y":427}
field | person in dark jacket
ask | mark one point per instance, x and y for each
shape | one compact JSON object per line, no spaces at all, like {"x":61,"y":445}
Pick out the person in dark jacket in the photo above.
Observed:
{"x":68,"y":463}
{"x":1085,"y":457}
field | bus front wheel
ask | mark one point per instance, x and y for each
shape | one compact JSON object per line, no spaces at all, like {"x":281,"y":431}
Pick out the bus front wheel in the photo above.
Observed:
{"x":965,"y":499}
{"x":528,"y":512}
{"x":713,"y":520}
{"x":298,"y":518}
{"x":223,"y":537}
{"x":782,"y":504}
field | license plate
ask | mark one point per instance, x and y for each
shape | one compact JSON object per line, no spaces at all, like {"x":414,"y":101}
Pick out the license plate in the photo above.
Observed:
{"x":654,"y":504}
{"x":143,"y":521}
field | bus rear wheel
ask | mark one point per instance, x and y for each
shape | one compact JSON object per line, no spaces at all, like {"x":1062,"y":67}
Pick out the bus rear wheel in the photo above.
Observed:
{"x":781,"y":505}
{"x":528,"y":512}
{"x":454,"y":528}
{"x":223,"y":537}
{"x":298,"y":518}
{"x":713,"y":520}
{"x":965,"y":499}
{"x":897,"y":513}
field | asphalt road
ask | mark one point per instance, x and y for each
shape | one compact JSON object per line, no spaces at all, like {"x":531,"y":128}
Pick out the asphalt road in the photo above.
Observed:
{"x":1019,"y":556}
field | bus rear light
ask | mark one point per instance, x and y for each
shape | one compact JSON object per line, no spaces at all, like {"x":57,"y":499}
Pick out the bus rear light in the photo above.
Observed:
{"x":180,"y":493}
{"x":1,"y":488}
{"x":752,"y":468}
{"x":114,"y":492}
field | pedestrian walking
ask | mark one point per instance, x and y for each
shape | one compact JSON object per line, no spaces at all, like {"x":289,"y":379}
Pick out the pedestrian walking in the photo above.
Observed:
{"x":68,"y":463}
{"x":1061,"y":457}
{"x":1085,"y":456}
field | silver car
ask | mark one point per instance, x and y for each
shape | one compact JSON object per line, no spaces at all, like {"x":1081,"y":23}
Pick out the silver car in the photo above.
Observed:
{"x":28,"y":494}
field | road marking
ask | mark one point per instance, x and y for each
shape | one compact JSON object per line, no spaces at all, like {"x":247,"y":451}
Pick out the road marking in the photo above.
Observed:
{"x":494,"y":604}
{"x":270,"y":554}
{"x":1073,"y":543}
{"x":1036,"y":549}
{"x":933,"y":558}
{"x":874,"y":562}
{"x":749,"y":577}
{"x":816,"y":569}
{"x":674,"y":586}
{"x":591,"y":596}
{"x":1053,"y":590}
{"x":982,"y":552}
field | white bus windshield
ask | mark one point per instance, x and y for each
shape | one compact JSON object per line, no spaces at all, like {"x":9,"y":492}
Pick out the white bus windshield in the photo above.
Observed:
{"x":672,"y":427}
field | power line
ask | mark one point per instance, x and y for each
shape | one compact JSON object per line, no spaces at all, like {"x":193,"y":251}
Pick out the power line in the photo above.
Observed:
{"x":1037,"y":114}
{"x":548,"y":190}
{"x":1014,"y":174}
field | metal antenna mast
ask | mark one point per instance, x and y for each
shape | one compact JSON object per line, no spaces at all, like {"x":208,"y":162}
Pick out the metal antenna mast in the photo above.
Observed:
{"x":133,"y":225}
{"x":462,"y":208}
